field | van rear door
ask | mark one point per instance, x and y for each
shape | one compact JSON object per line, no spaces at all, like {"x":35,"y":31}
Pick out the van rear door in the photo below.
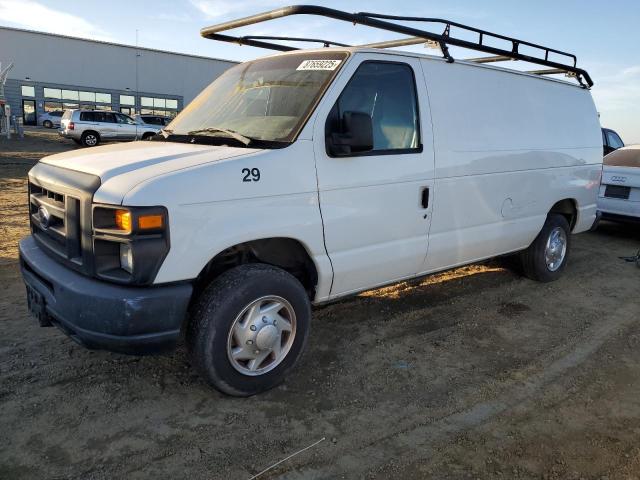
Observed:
{"x":376,"y":204}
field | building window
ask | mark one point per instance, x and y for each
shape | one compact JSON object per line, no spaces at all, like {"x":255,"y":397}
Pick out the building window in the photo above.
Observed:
{"x":163,"y":113}
{"x":77,"y":96}
{"x":52,"y":106}
{"x":52,"y":93}
{"x":28,"y":91}
{"x":159,"y":102}
{"x":103,"y":97}
{"x":127,"y":100}
{"x":70,"y":106}
{"x":70,"y":95}
{"x":87,"y":96}
{"x":127,"y":110}
{"x":103,"y":107}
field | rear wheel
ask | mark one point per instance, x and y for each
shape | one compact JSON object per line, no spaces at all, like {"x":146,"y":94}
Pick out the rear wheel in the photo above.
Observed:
{"x":546,"y":258}
{"x":147,"y":136}
{"x":47,"y":124}
{"x":249,"y":328}
{"x":90,"y":139}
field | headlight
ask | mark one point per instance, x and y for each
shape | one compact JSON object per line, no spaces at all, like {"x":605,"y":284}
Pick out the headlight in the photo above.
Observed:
{"x":129,"y":243}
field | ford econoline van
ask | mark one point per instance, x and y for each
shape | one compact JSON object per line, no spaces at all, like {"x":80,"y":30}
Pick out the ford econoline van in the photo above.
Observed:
{"x":302,"y":178}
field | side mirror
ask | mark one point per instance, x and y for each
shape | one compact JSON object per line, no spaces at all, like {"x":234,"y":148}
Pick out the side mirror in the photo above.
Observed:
{"x":357,"y":135}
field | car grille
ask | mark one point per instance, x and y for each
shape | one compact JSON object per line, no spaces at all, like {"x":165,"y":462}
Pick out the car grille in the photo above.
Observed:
{"x":55,"y":221}
{"x":60,"y":214}
{"x":617,"y":191}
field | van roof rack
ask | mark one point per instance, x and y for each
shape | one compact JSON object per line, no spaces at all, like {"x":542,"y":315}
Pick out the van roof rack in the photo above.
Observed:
{"x":413,"y":36}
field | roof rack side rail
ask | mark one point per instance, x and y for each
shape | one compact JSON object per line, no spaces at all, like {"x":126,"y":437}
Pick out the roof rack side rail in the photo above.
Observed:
{"x":414,"y":36}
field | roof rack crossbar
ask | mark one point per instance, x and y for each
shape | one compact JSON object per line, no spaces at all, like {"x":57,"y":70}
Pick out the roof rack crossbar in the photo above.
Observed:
{"x":415,"y":36}
{"x":400,"y":42}
{"x":326,"y":43}
{"x":492,"y":59}
{"x":550,"y":71}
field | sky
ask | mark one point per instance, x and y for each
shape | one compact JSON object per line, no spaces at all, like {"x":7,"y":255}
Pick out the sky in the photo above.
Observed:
{"x":605,"y":36}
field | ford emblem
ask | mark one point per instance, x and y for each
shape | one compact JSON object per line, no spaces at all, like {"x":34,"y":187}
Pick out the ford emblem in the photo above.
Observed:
{"x":44,"y":216}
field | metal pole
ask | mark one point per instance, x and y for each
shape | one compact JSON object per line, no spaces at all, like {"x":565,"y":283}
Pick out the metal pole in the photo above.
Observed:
{"x":137,"y":99}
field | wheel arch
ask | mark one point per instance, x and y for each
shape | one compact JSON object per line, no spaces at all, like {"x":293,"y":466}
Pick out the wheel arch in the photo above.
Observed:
{"x":95,"y":132}
{"x":287,"y":253}
{"x":567,"y":207}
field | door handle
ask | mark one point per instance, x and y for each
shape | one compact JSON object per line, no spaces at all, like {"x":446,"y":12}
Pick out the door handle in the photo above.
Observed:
{"x":425,"y":197}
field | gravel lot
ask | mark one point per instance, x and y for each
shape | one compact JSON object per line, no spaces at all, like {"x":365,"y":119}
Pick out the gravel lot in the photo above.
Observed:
{"x":475,"y":373}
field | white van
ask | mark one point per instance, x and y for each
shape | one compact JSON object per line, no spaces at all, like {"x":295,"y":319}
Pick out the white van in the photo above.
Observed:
{"x":299,"y":179}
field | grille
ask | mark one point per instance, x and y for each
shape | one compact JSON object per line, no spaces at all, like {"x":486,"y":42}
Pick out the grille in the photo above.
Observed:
{"x":617,"y":191}
{"x":60,"y":202}
{"x":55,"y":221}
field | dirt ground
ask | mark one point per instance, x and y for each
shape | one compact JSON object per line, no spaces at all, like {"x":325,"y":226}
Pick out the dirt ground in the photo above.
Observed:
{"x":476,"y":373}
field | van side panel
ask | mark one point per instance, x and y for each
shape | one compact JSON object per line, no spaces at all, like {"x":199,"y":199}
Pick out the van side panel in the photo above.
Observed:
{"x":507,"y":147}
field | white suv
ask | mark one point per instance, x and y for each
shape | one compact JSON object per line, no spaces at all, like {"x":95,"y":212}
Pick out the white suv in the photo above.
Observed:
{"x":299,"y":179}
{"x":90,"y":127}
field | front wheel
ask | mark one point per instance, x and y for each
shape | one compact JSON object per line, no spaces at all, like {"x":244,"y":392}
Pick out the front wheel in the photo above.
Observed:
{"x":47,"y":124}
{"x":249,"y":328}
{"x":546,"y":258}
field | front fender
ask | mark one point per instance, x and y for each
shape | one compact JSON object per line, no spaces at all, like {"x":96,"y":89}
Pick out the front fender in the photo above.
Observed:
{"x":216,"y":206}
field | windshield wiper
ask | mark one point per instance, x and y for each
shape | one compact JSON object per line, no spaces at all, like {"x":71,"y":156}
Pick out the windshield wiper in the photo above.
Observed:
{"x":233,"y":134}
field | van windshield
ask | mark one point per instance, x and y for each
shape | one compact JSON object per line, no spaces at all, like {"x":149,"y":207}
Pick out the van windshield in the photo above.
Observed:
{"x":266,"y":100}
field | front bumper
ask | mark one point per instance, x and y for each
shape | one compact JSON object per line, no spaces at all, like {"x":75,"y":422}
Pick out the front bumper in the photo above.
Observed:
{"x":101,"y":315}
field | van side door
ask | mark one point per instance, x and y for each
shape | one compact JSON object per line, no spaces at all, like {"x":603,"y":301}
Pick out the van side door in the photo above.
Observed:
{"x":376,"y":205}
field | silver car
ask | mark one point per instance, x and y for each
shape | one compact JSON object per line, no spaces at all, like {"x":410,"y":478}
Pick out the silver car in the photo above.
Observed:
{"x":90,"y":127}
{"x":50,"y":119}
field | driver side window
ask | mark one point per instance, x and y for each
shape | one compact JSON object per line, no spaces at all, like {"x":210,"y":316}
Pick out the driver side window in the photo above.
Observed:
{"x":387,"y":93}
{"x":123,"y":119}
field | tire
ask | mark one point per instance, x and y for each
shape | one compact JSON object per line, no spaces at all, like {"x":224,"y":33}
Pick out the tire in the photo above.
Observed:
{"x":47,"y":124}
{"x":227,"y":303}
{"x":147,"y":136}
{"x":546,"y":258}
{"x":90,"y":139}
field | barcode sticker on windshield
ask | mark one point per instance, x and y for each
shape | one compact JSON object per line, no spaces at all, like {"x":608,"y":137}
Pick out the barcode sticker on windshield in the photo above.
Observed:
{"x":319,"y":65}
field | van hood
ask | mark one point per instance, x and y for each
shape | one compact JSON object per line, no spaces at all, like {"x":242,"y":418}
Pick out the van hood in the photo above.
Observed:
{"x":142,"y":160}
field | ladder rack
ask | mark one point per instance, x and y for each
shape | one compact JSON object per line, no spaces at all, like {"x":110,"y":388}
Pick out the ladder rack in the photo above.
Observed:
{"x":563,"y":63}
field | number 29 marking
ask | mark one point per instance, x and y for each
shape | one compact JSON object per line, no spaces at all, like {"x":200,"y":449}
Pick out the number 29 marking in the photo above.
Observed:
{"x":251,"y":175}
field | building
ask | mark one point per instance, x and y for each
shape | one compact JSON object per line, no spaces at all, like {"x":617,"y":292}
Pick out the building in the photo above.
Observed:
{"x":56,"y":72}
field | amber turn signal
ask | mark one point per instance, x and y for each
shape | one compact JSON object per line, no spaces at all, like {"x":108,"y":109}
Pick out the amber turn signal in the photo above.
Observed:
{"x":123,"y":220}
{"x":147,"y":222}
